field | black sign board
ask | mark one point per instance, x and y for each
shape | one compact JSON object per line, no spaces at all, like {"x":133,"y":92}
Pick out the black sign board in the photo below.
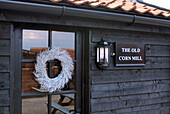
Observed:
{"x":130,"y":54}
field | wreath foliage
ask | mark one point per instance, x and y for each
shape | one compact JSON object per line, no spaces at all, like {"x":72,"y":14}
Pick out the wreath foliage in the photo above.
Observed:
{"x":57,"y":83}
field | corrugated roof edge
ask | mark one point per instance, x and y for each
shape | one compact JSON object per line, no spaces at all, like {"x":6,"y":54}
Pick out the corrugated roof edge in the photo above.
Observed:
{"x":85,"y":13}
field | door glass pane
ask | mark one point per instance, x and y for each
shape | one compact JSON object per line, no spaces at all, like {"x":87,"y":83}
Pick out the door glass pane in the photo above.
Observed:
{"x":56,"y":69}
{"x":34,"y":41}
{"x":65,"y":100}
{"x":28,"y":78}
{"x":34,"y":105}
{"x":64,"y":40}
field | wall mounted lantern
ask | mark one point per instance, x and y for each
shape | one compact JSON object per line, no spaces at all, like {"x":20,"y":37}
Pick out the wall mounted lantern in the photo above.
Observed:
{"x":103,"y":54}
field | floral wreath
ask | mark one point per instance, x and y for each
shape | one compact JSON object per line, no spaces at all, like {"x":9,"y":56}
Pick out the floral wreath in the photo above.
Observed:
{"x":57,"y":83}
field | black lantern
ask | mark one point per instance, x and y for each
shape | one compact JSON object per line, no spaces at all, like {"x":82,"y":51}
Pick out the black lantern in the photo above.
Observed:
{"x":103,"y":54}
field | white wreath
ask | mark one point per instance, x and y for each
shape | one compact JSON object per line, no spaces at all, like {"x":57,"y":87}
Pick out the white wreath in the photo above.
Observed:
{"x":57,"y":83}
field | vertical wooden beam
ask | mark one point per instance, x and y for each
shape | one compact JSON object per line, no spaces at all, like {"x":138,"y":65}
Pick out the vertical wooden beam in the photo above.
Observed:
{"x":16,"y":79}
{"x":86,"y":72}
{"x":49,"y":69}
{"x":78,"y":71}
{"x":12,"y":70}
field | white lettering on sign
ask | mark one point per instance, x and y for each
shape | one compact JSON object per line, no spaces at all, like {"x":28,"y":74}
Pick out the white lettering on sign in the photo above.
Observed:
{"x":136,"y":58}
{"x":129,"y":58}
{"x":124,"y":58}
{"x":125,"y":49}
{"x":130,"y":54}
{"x":133,"y":50}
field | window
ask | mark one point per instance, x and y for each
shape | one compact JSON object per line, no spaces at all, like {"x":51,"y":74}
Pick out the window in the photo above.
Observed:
{"x":33,"y":42}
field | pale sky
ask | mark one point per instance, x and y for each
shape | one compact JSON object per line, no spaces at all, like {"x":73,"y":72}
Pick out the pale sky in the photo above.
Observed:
{"x":160,"y":3}
{"x":39,"y":38}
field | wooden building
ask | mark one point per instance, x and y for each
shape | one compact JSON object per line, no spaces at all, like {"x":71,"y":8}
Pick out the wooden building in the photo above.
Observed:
{"x":124,"y":86}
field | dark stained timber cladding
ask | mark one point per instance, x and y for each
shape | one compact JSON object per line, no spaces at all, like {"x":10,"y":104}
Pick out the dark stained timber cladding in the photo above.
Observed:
{"x":129,"y":103}
{"x":4,"y":110}
{"x":4,"y":64}
{"x":4,"y":47}
{"x":4,"y":97}
{"x":121,"y":88}
{"x":150,"y":62}
{"x":5,"y":35}
{"x":114,"y":76}
{"x":158,"y":50}
{"x":147,"y":109}
{"x":132,"y":90}
{"x":4,"y":81}
{"x":130,"y":37}
{"x":5,"y":31}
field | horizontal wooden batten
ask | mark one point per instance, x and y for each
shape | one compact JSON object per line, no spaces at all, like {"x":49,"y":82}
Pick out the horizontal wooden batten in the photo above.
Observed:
{"x":5,"y":36}
{"x":131,"y":97}
{"x":4,"y":51}
{"x":137,"y":109}
{"x":4,"y":47}
{"x":150,"y":63}
{"x":4,"y":97}
{"x":4,"y":81}
{"x":129,"y":37}
{"x":116,"y":90}
{"x":4,"y":110}
{"x":99,"y":77}
{"x":130,"y":85}
{"x":5,"y":31}
{"x":4,"y":64}
{"x":128,"y":103}
{"x":158,"y":50}
{"x":162,"y":110}
{"x":5,"y":27}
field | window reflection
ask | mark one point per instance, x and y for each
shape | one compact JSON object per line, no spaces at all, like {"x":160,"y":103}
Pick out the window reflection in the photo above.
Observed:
{"x":64,"y":40}
{"x":56,"y":70}
{"x":65,"y":100}
{"x":28,"y":78}
{"x":34,"y":105}
{"x":34,"y":41}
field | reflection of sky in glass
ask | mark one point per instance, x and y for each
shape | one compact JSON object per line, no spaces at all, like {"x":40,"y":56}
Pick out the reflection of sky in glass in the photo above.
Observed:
{"x":39,"y":38}
{"x":34,"y":38}
{"x":63,"y":39}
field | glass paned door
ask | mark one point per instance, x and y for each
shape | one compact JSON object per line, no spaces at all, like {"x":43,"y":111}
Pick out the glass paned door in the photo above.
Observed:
{"x":35,"y":101}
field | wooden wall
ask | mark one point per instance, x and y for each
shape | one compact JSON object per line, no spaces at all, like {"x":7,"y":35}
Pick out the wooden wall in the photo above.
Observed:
{"x":132,"y":90}
{"x":5,"y":35}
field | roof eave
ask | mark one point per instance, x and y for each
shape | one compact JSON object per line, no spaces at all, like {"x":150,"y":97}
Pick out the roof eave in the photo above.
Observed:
{"x":78,"y":12}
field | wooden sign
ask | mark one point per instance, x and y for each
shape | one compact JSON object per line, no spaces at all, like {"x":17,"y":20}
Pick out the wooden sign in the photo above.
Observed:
{"x":130,"y":54}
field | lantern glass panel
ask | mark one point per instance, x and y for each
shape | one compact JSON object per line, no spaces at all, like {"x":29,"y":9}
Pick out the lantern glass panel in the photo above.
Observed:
{"x":107,"y":53}
{"x":101,"y":54}
{"x":98,"y":49}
